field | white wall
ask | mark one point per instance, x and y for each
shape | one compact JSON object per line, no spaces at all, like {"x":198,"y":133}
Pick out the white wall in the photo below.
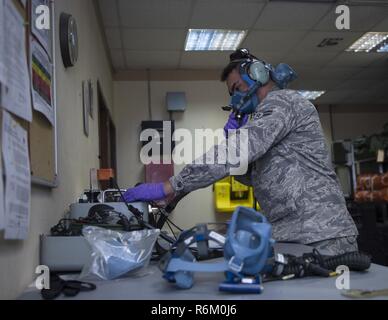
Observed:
{"x":204,"y":99}
{"x":76,"y":154}
{"x":350,"y":121}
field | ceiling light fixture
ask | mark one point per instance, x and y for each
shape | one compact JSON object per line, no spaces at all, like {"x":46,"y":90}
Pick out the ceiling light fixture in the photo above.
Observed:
{"x":213,"y":39}
{"x":371,"y":42}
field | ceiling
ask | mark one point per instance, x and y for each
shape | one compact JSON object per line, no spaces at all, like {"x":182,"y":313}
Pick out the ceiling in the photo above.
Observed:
{"x":150,"y":34}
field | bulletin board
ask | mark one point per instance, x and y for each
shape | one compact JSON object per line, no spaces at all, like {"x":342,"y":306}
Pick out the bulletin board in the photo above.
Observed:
{"x":42,"y":134}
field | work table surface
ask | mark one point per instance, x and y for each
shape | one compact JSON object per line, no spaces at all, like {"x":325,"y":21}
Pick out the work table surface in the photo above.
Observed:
{"x":149,"y":285}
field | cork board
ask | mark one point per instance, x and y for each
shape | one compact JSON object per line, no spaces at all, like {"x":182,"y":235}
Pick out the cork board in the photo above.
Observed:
{"x":41,"y":134}
{"x":42,"y":149}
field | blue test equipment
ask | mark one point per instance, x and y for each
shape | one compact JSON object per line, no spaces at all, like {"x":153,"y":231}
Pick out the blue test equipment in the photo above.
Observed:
{"x":248,"y":252}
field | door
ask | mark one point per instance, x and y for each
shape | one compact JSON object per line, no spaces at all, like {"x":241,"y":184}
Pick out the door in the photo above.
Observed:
{"x":107,"y":137}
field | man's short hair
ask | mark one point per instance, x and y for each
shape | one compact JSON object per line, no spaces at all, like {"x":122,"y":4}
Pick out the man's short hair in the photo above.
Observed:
{"x":236,"y":58}
{"x":228,"y":69}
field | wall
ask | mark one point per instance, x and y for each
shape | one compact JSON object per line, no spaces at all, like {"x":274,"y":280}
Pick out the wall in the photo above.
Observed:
{"x":203,"y":111}
{"x":76,"y":153}
{"x":350,"y":121}
{"x":205,"y":99}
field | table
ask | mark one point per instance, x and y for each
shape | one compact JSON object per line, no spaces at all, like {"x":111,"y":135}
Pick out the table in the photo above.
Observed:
{"x":149,"y":285}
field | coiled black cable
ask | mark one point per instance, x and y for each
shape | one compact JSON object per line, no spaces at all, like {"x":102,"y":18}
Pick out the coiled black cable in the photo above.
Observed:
{"x":316,"y":264}
{"x":355,"y":261}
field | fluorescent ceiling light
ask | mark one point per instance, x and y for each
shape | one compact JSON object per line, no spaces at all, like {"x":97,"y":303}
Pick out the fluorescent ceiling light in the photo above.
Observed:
{"x":311,"y":95}
{"x":213,"y":39}
{"x":371,"y":41}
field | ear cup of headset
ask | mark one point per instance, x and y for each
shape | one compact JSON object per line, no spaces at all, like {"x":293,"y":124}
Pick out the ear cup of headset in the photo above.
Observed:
{"x":251,"y":68}
{"x":258,"y":72}
{"x":253,"y":71}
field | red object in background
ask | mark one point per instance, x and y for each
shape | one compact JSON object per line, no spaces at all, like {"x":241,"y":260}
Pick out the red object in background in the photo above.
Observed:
{"x":155,"y":173}
{"x":372,"y":196}
{"x":366,"y":196}
{"x":105,"y":174}
{"x":384,"y":195}
{"x":372,"y":182}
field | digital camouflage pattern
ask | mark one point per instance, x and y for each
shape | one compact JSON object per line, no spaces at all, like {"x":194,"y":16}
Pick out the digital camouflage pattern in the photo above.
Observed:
{"x":336,"y":246}
{"x":289,"y":169}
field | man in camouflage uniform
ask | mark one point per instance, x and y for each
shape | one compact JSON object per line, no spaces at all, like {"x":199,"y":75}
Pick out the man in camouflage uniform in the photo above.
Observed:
{"x":289,"y":169}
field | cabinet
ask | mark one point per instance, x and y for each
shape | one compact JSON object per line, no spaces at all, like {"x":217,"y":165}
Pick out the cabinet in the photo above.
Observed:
{"x":372,"y":223}
{"x":348,"y":164}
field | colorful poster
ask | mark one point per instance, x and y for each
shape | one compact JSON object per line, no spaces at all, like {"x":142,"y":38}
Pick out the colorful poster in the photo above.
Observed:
{"x":41,"y":81}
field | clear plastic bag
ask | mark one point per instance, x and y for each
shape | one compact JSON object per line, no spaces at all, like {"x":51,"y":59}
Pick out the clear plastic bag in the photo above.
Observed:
{"x":117,"y":253}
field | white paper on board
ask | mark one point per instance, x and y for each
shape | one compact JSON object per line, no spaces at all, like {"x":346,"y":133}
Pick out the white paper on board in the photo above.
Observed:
{"x":15,"y":92}
{"x":2,"y":214}
{"x":2,"y":44}
{"x":18,"y":179}
{"x":43,"y":35}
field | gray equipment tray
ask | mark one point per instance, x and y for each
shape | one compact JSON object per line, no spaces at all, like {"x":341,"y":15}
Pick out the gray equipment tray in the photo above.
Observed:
{"x":71,"y":253}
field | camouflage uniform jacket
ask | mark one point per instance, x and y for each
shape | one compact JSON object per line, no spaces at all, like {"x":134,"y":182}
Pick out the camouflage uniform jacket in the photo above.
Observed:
{"x":289,"y":169}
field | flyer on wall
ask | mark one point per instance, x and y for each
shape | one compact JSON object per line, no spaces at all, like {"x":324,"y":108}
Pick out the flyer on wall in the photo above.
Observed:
{"x":41,"y":80}
{"x":18,"y":179}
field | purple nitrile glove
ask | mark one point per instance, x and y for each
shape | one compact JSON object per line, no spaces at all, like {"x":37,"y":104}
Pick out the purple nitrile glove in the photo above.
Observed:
{"x":234,"y":124}
{"x":145,"y":192}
